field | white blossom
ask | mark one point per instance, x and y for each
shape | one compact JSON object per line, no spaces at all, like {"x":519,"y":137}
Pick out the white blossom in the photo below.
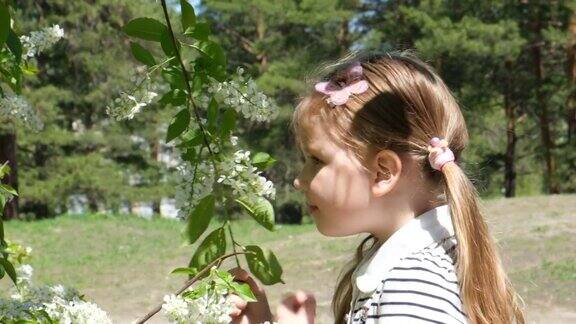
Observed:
{"x":210,"y":308}
{"x":242,"y":94}
{"x":128,"y":104}
{"x":24,"y":273}
{"x":244,"y":178}
{"x":62,"y":304}
{"x":41,"y":40}
{"x":235,"y":171}
{"x":175,"y":308}
{"x":17,"y":107}
{"x":76,"y":311}
{"x":188,"y":194}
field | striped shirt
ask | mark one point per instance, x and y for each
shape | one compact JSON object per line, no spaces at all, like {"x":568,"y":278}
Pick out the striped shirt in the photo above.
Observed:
{"x":410,"y":278}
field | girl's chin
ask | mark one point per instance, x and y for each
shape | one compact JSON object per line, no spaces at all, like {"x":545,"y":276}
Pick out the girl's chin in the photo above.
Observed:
{"x":330,"y":231}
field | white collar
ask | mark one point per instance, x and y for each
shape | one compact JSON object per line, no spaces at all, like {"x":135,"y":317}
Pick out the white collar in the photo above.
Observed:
{"x":425,"y":229}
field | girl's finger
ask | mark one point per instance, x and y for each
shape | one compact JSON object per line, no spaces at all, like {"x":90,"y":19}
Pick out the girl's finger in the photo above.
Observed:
{"x":239,"y":273}
{"x":243,"y":276}
{"x":293,"y":301}
{"x":235,"y":312}
{"x":238,"y":301}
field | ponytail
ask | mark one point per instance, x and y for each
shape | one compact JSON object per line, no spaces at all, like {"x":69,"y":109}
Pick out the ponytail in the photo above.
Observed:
{"x":486,"y":291}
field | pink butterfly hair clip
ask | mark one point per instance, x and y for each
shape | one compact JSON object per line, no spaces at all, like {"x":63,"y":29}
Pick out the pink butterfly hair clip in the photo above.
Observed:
{"x":339,"y":91}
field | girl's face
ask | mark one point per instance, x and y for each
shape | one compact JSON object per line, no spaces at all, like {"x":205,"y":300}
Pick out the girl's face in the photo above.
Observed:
{"x":337,"y":188}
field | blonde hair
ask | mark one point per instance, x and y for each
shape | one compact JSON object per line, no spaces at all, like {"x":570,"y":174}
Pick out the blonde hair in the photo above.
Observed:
{"x":406,"y":105}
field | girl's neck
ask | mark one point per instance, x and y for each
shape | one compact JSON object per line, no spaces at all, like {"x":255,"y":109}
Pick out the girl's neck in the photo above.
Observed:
{"x":397,"y":214}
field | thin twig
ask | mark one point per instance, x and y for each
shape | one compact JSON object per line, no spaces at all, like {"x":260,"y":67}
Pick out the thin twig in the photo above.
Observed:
{"x":185,"y":74}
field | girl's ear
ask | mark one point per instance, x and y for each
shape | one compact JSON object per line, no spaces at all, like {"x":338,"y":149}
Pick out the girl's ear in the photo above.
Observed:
{"x":387,"y":168}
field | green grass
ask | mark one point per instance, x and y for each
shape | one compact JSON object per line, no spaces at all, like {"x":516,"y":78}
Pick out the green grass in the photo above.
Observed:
{"x":123,"y":262}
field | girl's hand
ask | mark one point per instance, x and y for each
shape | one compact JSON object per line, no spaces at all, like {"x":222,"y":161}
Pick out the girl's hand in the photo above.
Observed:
{"x":297,"y":308}
{"x":253,"y":312}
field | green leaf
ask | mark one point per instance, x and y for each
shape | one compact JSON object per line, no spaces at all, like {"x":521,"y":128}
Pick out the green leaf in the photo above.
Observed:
{"x":9,"y":269}
{"x":265,"y":268}
{"x":200,"y":217}
{"x":145,"y":28}
{"x":228,"y":122}
{"x":196,"y":139}
{"x":200,"y":31}
{"x":141,"y":54}
{"x":188,"y":271}
{"x":4,"y":169}
{"x":4,"y":24}
{"x":197,"y":292}
{"x":205,"y":65}
{"x":15,"y":45}
{"x":1,"y":222}
{"x":45,"y":315}
{"x":213,"y":247}
{"x":260,"y":209}
{"x":213,"y":51}
{"x":8,"y":189}
{"x":181,"y":121}
{"x":29,"y":69}
{"x":175,"y":97}
{"x":263,"y":160}
{"x":243,"y":290}
{"x":174,"y":76}
{"x":167,"y":44}
{"x":198,"y":81}
{"x":226,"y":276}
{"x":189,"y":155}
{"x":212,"y":113}
{"x":188,"y":17}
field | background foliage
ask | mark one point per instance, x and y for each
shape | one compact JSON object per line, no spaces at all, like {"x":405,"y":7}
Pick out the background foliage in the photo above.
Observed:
{"x":510,"y":64}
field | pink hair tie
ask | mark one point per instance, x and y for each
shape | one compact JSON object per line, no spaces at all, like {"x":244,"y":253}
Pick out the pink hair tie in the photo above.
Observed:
{"x":440,"y":153}
{"x":351,"y":82}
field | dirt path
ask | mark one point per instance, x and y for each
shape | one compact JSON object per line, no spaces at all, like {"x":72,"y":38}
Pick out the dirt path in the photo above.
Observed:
{"x":555,"y":315}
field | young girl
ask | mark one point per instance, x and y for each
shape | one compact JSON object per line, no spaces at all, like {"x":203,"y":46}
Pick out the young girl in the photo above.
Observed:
{"x":383,"y":136}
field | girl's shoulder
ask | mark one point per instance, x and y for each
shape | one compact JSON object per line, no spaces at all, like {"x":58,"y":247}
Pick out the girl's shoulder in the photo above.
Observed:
{"x":434,"y":265}
{"x":424,"y":286}
{"x":420,"y":287}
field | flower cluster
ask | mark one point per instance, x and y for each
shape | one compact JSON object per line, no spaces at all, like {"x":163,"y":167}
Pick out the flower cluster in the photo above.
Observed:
{"x":62,"y":304}
{"x":211,"y":306}
{"x":128,"y":104}
{"x":19,"y":108}
{"x":41,"y":40}
{"x":245,"y":179}
{"x":75,"y":311}
{"x":235,"y":171}
{"x":242,"y":94}
{"x":194,"y":184}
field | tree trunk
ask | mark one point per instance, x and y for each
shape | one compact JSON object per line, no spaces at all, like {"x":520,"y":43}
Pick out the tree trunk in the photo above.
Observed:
{"x":155,"y":157}
{"x":571,"y":104}
{"x":8,"y":153}
{"x":344,"y":37}
{"x":511,"y":138}
{"x":545,"y":133}
{"x":261,"y":28}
